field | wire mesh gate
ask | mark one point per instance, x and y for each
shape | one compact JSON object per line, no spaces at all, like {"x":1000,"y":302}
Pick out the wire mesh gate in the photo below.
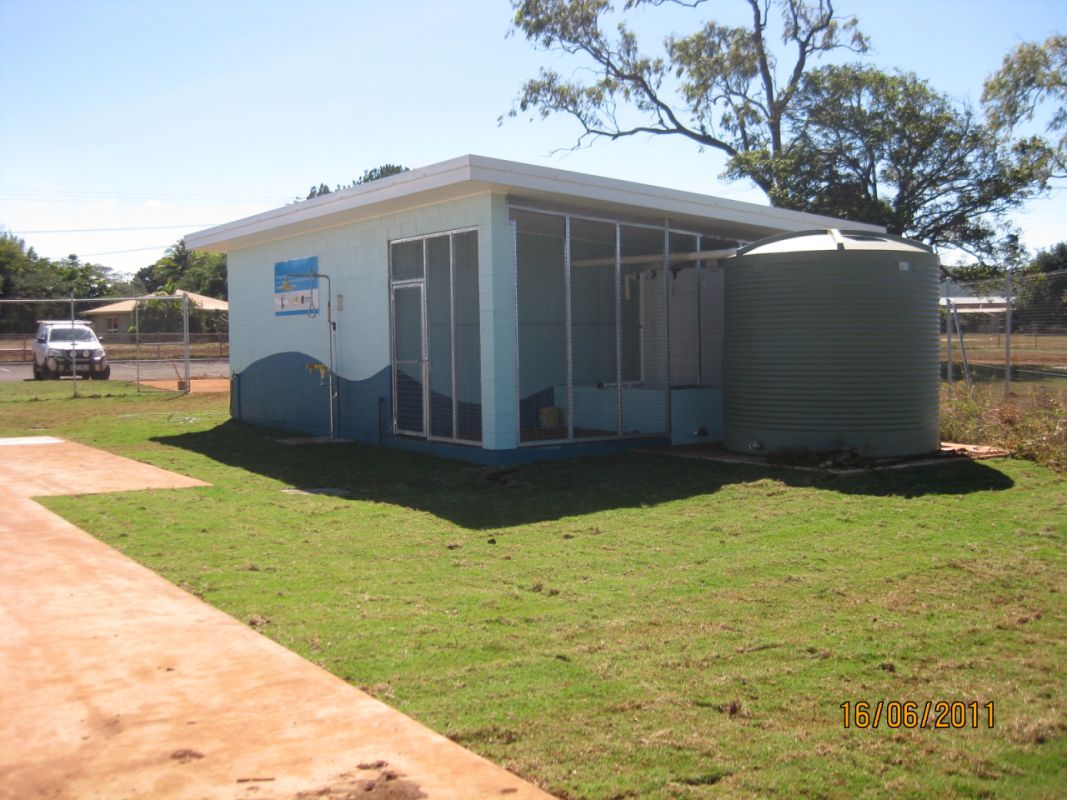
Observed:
{"x":611,"y":317}
{"x":434,"y":307}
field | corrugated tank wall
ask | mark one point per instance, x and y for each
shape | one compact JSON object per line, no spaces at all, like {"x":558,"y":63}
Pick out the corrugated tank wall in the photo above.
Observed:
{"x":832,"y":342}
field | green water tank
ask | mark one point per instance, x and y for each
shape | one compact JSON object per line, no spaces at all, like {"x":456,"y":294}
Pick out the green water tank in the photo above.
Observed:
{"x":832,"y":343}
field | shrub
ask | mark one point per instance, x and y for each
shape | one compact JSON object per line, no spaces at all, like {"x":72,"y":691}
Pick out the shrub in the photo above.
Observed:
{"x":1031,"y":426}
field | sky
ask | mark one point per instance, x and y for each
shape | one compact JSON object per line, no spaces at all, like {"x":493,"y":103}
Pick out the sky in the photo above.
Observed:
{"x":126,"y":124}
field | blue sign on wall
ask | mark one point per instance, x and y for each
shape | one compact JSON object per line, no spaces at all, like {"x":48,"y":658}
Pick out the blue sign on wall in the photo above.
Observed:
{"x":296,"y":287}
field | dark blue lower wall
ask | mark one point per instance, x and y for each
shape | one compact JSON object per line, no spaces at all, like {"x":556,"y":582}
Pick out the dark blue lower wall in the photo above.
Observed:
{"x":281,"y":392}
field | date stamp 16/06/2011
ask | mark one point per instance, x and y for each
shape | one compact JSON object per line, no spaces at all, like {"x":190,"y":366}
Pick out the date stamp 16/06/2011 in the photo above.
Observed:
{"x":929,"y":714}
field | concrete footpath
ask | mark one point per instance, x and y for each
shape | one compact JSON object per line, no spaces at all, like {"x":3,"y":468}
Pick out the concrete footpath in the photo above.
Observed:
{"x":117,"y":684}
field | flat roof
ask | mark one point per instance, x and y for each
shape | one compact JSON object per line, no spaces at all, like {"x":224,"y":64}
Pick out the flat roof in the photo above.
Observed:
{"x":524,"y":184}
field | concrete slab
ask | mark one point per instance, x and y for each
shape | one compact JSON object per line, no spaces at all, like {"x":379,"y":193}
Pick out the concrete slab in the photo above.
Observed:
{"x":12,"y":441}
{"x":949,"y":452}
{"x":117,"y":684}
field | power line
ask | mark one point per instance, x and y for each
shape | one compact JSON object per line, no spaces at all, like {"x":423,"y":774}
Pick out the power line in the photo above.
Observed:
{"x":91,"y":196}
{"x":109,"y":230}
{"x":118,"y":252}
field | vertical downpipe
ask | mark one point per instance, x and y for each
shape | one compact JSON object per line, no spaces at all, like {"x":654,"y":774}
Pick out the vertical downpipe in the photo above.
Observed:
{"x":700,"y":312}
{"x":666,"y":352}
{"x":618,"y":329}
{"x":329,"y":335}
{"x":569,"y":333}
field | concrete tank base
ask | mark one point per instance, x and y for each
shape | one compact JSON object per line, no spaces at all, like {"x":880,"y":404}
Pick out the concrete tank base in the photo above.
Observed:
{"x":765,"y":441}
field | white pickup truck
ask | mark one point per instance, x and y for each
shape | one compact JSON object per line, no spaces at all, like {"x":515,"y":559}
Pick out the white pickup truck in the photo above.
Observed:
{"x":68,"y":347}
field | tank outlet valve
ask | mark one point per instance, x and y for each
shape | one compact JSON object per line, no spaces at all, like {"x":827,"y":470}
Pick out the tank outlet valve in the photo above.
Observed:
{"x":755,"y":445}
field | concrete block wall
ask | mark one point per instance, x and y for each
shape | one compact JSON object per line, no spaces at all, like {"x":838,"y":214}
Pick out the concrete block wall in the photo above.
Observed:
{"x":496,"y":275}
{"x":356,"y":257}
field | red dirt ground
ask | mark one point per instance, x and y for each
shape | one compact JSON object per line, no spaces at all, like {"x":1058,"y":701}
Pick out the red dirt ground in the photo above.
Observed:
{"x":196,"y":385}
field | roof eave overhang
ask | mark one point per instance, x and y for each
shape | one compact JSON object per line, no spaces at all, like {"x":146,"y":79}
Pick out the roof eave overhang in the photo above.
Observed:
{"x":475,"y":175}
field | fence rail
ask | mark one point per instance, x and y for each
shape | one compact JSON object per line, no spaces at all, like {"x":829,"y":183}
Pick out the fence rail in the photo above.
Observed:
{"x":18,"y":348}
{"x":1007,"y":334}
{"x":151,"y":341}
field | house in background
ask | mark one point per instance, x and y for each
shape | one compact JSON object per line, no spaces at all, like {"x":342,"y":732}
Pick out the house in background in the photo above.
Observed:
{"x":488,"y":310}
{"x":119,"y":318}
{"x":978,"y":311}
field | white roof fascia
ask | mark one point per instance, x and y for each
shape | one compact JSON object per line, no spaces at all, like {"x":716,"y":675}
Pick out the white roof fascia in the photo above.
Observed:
{"x":656,"y":199}
{"x":471,"y":174}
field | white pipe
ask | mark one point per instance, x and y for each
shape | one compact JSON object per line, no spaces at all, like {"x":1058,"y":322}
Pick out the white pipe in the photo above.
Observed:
{"x":653,"y":258}
{"x":329,"y":334}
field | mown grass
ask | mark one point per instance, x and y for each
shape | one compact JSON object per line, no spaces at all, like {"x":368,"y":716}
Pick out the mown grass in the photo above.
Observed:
{"x":634,"y":626}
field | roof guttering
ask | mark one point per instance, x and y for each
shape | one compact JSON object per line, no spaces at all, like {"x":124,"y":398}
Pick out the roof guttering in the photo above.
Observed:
{"x":471,"y":174}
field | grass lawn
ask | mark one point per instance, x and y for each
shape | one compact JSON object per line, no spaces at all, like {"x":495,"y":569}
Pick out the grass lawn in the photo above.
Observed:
{"x":632,"y":626}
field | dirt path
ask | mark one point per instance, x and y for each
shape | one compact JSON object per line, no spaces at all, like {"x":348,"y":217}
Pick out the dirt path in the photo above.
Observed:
{"x":117,"y":684}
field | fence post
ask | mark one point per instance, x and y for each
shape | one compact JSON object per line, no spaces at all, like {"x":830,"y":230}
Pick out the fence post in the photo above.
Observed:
{"x":948,"y":337}
{"x":137,"y":340}
{"x":963,"y":350}
{"x":185,"y":338}
{"x":1007,"y":335}
{"x":73,"y":352}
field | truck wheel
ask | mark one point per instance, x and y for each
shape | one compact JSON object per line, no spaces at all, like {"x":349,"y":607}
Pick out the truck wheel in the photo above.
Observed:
{"x":38,"y":375}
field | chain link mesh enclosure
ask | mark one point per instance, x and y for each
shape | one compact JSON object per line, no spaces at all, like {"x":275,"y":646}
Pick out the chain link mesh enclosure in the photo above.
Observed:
{"x":164,"y":341}
{"x":1007,"y":332}
{"x":611,"y":316}
{"x":437,"y":388}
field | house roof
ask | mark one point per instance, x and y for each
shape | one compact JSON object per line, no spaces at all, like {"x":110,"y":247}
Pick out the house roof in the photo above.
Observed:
{"x":126,"y":306}
{"x":967,"y":304}
{"x":471,"y":175}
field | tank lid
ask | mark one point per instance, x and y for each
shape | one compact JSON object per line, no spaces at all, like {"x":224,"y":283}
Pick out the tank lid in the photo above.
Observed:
{"x":833,"y":239}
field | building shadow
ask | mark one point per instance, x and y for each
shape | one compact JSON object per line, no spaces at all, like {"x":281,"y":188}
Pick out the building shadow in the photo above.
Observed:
{"x":478,"y":498}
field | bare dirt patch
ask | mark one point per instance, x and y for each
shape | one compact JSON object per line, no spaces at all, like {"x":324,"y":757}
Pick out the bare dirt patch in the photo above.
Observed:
{"x":196,"y":385}
{"x":386,"y":785}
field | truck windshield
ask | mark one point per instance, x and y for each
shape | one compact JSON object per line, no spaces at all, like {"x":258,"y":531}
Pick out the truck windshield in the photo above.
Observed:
{"x":71,"y":335}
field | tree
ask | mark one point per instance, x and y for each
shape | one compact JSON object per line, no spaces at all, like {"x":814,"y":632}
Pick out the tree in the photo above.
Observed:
{"x":377,"y":173}
{"x":25,"y":275}
{"x":890,"y":150}
{"x":165,"y":314}
{"x":718,"y":87}
{"x":182,"y":268}
{"x":1040,"y":296}
{"x":14,"y":259}
{"x":1031,"y":77}
{"x":848,"y":141}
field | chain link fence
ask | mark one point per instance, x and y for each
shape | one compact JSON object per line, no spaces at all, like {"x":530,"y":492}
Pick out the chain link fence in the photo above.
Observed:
{"x":1006,"y":335}
{"x":158,"y":342}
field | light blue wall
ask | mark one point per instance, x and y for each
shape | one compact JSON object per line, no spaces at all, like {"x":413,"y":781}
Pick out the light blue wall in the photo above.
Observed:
{"x":643,"y":410}
{"x":695,"y":409}
{"x":496,"y":278}
{"x":280,"y":391}
{"x":356,"y":257}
